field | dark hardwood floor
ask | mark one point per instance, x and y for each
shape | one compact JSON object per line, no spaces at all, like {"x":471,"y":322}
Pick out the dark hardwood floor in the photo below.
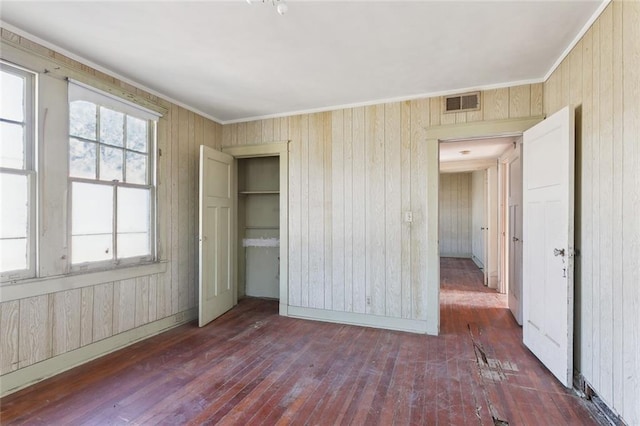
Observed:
{"x":252,"y":366}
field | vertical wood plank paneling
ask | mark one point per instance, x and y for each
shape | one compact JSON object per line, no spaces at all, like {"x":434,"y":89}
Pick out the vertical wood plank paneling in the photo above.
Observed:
{"x":316,"y":211}
{"x":495,"y":104}
{"x":295,"y":212}
{"x":605,"y":213}
{"x":254,"y":132}
{"x":304,"y":211}
{"x":153,"y":297}
{"x":9,"y":332}
{"x":184,"y":264}
{"x":102,"y":311}
{"x":175,"y":209}
{"x":586,"y":218}
{"x":141,"y":313}
{"x":631,"y":203}
{"x":393,"y":209}
{"x":348,"y":208}
{"x":595,"y":206}
{"x":405,"y":167}
{"x":66,"y":321}
{"x":464,"y":242}
{"x":35,"y":330}
{"x":520,"y":101}
{"x":86,"y":316}
{"x":617,"y":211}
{"x":242,"y":134}
{"x":195,"y":140}
{"x":165,"y":187}
{"x":435,"y":105}
{"x":124,"y":305}
{"x":420,"y":113}
{"x":162,"y":182}
{"x":536,"y":99}
{"x":337,"y":216}
{"x":267,"y":130}
{"x":601,"y":75}
{"x":375,"y":199}
{"x":360,"y":212}
{"x":455,"y":214}
{"x":444,"y":204}
{"x":328,"y":201}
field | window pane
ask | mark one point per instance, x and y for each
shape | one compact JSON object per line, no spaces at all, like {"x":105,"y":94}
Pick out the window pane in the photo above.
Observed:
{"x":92,"y":209}
{"x":133,"y":245}
{"x":133,"y":210}
{"x":133,"y":222}
{"x":136,"y":134}
{"x":111,"y":127}
{"x":12,"y":148}
{"x":14,"y":195}
{"x":82,"y":119}
{"x":91,"y":248}
{"x":12,"y":104}
{"x":14,"y":222}
{"x":14,"y":254}
{"x":110,"y":163}
{"x":91,"y":222}
{"x":136,"y":168}
{"x":82,"y":159}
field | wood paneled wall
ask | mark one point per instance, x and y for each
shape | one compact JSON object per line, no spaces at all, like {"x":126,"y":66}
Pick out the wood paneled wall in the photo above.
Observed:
{"x":353,"y":173}
{"x":38,"y":328}
{"x":601,"y":77}
{"x":455,"y":214}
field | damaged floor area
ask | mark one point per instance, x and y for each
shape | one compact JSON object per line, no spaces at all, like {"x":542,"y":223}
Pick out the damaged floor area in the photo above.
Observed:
{"x":252,"y":366}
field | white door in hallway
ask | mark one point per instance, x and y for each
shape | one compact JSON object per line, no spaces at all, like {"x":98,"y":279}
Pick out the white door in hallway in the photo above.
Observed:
{"x":548,"y":203}
{"x":216,"y":272}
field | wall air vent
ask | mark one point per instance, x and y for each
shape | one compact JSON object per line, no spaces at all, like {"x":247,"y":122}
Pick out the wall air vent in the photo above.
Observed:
{"x":461,"y":103}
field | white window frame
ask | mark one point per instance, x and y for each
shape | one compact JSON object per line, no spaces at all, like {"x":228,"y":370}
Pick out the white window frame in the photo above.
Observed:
{"x":30,"y":170}
{"x":80,"y":91}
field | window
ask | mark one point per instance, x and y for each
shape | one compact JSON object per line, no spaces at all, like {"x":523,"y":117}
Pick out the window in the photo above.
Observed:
{"x":111,"y":179}
{"x":17,"y":173}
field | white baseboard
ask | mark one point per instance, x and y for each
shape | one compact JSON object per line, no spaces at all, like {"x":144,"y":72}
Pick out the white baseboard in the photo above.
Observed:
{"x":19,"y":379}
{"x":365,"y":320}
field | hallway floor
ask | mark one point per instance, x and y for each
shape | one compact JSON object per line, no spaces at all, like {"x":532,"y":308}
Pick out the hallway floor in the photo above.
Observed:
{"x":252,"y":366}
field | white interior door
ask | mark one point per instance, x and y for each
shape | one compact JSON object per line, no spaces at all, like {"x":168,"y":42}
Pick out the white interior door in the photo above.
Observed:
{"x":548,"y":197}
{"x":514,"y":238}
{"x":216,"y":274}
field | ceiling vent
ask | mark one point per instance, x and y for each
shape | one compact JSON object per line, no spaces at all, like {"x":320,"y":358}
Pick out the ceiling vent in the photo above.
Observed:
{"x":464,"y":102}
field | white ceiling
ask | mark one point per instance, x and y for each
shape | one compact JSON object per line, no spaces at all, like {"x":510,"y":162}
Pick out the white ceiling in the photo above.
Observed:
{"x":479,"y":149}
{"x":233,"y":61}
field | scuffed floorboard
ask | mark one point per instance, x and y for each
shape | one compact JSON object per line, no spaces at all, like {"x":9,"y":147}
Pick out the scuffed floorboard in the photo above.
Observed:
{"x":253,"y":367}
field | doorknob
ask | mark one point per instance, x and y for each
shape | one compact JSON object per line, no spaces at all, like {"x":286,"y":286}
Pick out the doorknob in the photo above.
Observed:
{"x":515,"y":239}
{"x":558,"y":252}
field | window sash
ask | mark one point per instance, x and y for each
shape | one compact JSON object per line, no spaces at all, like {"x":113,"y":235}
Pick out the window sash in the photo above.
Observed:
{"x":29,"y":169}
{"x":115,"y":261}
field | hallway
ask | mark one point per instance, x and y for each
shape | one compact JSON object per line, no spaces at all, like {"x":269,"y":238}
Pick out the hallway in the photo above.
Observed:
{"x":252,"y":366}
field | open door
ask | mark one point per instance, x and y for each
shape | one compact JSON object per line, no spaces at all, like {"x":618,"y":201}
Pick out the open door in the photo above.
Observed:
{"x":548,"y":201}
{"x":216,"y":242}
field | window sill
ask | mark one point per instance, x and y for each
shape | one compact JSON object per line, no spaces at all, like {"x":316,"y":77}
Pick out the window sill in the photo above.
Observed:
{"x":38,"y":286}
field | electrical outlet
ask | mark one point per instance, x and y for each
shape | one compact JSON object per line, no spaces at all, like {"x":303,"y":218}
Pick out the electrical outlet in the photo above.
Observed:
{"x":369,"y":301}
{"x":179,"y":317}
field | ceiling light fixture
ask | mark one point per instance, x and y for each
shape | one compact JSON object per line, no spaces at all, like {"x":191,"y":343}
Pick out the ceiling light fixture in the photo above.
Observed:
{"x":281,"y":6}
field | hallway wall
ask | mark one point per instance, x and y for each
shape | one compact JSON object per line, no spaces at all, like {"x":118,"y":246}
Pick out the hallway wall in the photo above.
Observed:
{"x":455,"y":214}
{"x":601,"y":78}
